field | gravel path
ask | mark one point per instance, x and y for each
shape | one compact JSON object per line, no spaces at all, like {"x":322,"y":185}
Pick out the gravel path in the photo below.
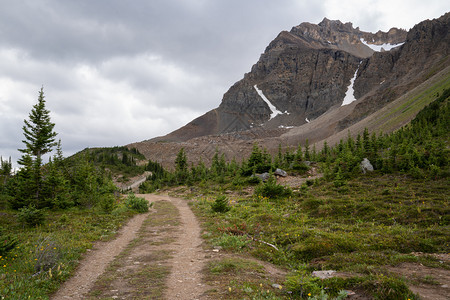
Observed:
{"x":187,"y":260}
{"x":188,"y":257}
{"x":96,"y":261}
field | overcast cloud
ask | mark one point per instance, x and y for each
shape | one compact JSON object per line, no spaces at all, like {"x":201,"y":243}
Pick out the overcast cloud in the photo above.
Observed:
{"x":116,"y":72}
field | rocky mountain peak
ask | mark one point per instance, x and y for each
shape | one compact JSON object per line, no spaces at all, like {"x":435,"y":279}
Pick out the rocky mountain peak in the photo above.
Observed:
{"x":334,"y":34}
{"x":311,"y":69}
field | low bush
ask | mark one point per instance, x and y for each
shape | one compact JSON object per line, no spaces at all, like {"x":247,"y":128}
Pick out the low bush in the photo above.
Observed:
{"x":108,"y":203}
{"x":220,"y":205}
{"x":253,"y":180}
{"x":31,"y":216}
{"x":271,"y":189}
{"x":47,"y":254}
{"x":138,"y":204}
{"x":7,"y":242}
{"x":232,"y":242}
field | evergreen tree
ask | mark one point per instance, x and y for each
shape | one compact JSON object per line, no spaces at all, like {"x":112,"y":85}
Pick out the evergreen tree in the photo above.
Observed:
{"x":307,"y":155}
{"x":39,"y":140}
{"x":181,"y":166}
{"x":5,"y":170}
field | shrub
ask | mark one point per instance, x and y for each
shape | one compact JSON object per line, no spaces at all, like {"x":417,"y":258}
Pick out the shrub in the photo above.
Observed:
{"x":232,"y":242}
{"x":389,"y":288}
{"x":220,"y":205}
{"x":108,"y":203}
{"x":300,"y":167}
{"x":47,"y":254}
{"x":271,"y":189}
{"x":4,"y":200}
{"x":253,"y":180}
{"x":138,"y":204}
{"x":301,"y":284}
{"x":31,"y":216}
{"x":7,"y":242}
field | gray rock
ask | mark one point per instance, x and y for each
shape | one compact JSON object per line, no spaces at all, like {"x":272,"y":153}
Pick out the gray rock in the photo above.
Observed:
{"x":277,"y":286}
{"x":323,"y":274}
{"x":366,"y":166}
{"x":264,"y":176}
{"x":280,"y":172}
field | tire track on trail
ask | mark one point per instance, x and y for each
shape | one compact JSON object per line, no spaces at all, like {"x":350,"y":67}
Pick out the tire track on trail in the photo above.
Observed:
{"x":96,"y":261}
{"x":185,"y":262}
{"x":185,"y":280}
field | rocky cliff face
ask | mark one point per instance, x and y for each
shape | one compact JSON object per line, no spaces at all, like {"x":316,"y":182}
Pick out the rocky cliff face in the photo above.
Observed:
{"x":301,"y":75}
{"x":386,"y":75}
{"x":308,"y":71}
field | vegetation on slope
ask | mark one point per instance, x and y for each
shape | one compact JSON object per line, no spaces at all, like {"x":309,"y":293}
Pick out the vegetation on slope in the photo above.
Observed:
{"x":119,"y":161}
{"x":357,"y":224}
{"x":51,"y":213}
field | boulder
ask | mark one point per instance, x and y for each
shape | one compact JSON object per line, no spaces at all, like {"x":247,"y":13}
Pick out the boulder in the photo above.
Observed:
{"x":264,"y":176}
{"x":280,"y":172}
{"x":366,"y":166}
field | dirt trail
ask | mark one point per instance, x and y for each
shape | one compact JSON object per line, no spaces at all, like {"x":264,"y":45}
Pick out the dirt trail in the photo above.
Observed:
{"x":96,"y":261}
{"x":184,"y":281}
{"x":188,"y":258}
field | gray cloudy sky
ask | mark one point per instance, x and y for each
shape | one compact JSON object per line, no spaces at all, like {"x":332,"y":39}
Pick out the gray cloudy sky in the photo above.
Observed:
{"x":116,"y":72}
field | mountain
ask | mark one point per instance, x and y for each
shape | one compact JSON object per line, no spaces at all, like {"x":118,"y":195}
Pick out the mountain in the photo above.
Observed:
{"x":313,"y":82}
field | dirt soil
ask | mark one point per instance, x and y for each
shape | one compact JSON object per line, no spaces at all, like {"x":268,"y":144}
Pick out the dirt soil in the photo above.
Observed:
{"x":184,"y":281}
{"x":96,"y":261}
{"x":429,"y":283}
{"x":105,"y":271}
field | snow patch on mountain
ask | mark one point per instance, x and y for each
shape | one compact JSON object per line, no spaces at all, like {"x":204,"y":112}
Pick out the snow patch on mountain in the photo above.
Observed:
{"x":378,"y":48}
{"x":349,"y":97}
{"x":272,"y":108}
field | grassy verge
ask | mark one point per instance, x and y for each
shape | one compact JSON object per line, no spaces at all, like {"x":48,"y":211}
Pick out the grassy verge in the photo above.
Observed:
{"x":239,"y":278}
{"x":141,"y":270}
{"x":359,"y":228}
{"x":46,"y":255}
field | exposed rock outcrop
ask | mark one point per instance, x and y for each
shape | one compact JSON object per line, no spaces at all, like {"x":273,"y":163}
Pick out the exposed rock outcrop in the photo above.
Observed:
{"x":303,"y":73}
{"x":296,"y":89}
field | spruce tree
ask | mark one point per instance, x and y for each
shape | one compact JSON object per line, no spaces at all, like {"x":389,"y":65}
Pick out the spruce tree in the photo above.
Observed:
{"x":39,"y":140}
{"x":181,"y":166}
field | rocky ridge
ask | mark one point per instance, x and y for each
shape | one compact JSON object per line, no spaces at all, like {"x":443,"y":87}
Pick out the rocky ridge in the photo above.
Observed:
{"x":303,"y":73}
{"x":302,"y":78}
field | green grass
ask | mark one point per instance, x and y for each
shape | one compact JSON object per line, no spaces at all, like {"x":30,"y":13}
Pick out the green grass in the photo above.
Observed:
{"x":372,"y":222}
{"x":240,"y":278}
{"x":47,"y":255}
{"x":411,"y":106}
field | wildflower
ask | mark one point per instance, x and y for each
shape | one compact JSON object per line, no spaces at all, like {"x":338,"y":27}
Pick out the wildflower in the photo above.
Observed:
{"x":229,"y":289}
{"x":309,"y":295}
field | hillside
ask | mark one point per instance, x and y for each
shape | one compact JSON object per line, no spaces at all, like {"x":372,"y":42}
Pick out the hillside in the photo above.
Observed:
{"x":297,"y":89}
